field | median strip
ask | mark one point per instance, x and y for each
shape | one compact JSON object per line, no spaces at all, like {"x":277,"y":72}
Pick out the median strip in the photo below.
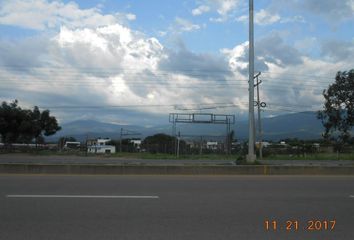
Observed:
{"x":81,"y":196}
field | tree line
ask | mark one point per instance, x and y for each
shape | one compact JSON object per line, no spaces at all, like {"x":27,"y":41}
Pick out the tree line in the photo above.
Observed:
{"x":338,"y":111}
{"x":19,"y":125}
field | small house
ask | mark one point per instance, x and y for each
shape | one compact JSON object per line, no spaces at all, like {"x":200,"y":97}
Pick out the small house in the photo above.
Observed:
{"x":100,"y":146}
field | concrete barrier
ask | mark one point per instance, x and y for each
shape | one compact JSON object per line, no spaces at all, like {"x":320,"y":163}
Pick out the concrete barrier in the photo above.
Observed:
{"x":172,"y":169}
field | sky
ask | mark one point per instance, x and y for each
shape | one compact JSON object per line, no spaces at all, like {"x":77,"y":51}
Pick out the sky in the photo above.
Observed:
{"x":134,"y":62}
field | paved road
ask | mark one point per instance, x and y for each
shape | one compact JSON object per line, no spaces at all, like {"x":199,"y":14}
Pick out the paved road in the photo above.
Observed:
{"x":173,"y":207}
{"x":309,"y":162}
{"x":24,"y":158}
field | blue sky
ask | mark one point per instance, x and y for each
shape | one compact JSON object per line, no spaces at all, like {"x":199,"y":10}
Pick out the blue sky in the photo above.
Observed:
{"x":169,"y":55}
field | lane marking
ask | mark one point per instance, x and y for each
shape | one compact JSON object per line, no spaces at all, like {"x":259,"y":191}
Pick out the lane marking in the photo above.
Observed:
{"x":351,"y":196}
{"x":81,"y":196}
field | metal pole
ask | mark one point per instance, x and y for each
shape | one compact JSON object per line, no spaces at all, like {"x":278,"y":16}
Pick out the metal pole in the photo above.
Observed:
{"x":201,"y":145}
{"x":259,"y":122}
{"x":175,"y":135}
{"x":251,"y":157}
{"x":178,"y":139}
{"x":120,"y":145}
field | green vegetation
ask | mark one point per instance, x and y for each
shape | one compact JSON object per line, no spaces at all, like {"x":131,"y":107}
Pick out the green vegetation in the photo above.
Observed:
{"x":317,"y":156}
{"x":19,"y":125}
{"x":145,"y":155}
{"x":164,"y":156}
{"x":338,"y":114}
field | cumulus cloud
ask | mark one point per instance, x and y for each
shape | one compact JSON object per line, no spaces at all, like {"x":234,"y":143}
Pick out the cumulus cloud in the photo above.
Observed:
{"x":130,"y":16}
{"x":108,"y":65}
{"x":290,"y":77}
{"x":200,"y":10}
{"x":202,"y":66}
{"x":270,"y":50}
{"x":264,"y":17}
{"x":89,"y":64}
{"x":336,"y":50}
{"x":44,"y":14}
{"x":331,"y":9}
{"x":184,"y":25}
{"x":223,"y":8}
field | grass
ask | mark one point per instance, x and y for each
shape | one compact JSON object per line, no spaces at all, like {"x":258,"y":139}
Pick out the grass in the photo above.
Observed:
{"x":163,"y":156}
{"x":126,"y":155}
{"x":318,"y":156}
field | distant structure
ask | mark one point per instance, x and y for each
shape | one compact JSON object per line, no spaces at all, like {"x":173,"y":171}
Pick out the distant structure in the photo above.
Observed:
{"x":100,"y":146}
{"x":212,"y":145}
{"x":136,"y":143}
{"x":71,"y":145}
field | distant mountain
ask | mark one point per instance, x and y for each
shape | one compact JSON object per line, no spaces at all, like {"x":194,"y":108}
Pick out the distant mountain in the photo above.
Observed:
{"x":302,"y":125}
{"x":83,"y":129}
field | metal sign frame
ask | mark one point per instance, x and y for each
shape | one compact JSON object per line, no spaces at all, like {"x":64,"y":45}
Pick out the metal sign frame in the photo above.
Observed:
{"x":206,"y":118}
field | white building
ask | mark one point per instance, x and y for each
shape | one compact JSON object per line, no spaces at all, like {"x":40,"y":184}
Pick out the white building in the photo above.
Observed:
{"x":101,"y":146}
{"x":212,"y":145}
{"x":136,"y":143}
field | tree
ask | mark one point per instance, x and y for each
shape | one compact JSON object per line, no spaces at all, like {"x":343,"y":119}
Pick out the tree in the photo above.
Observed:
{"x":23,"y":125}
{"x":44,"y":124}
{"x":11,"y":122}
{"x":338,"y":113}
{"x":161,"y":143}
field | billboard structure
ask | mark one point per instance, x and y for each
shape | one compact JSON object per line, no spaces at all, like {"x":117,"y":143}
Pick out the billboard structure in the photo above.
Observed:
{"x":203,"y":118}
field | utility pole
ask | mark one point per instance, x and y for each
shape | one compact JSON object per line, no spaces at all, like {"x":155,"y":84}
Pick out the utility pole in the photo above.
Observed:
{"x":251,"y":157}
{"x":178,"y":140}
{"x":201,"y":145}
{"x":120,"y":141}
{"x":260,"y":133}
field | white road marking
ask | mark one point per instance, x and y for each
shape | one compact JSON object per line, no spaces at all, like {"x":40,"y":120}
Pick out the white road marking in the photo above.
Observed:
{"x":351,"y":196}
{"x":81,"y":196}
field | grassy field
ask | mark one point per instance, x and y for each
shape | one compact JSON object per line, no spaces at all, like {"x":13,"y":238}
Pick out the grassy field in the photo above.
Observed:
{"x":172,"y":156}
{"x":319,"y":156}
{"x":162,"y":156}
{"x":145,"y":155}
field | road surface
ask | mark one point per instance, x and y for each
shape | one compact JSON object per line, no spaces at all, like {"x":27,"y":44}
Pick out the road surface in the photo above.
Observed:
{"x":64,"y":159}
{"x":54,"y":207}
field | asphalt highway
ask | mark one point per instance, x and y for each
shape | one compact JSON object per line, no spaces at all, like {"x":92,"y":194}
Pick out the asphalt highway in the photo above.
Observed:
{"x":101,"y":159}
{"x":88,"y":207}
{"x":53,"y":159}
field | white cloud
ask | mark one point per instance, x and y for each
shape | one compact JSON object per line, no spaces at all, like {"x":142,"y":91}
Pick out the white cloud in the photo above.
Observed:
{"x":200,"y":10}
{"x":224,"y":8}
{"x":334,"y":11}
{"x":243,"y":18}
{"x":263,"y":17}
{"x":112,"y":64}
{"x":130,"y":16}
{"x":294,"y":19}
{"x":109,"y":65}
{"x":185,"y":25}
{"x":291,"y":78}
{"x":44,"y":14}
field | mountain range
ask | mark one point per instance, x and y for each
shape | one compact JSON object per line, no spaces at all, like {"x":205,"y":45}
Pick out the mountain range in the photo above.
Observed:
{"x":303,"y":125}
